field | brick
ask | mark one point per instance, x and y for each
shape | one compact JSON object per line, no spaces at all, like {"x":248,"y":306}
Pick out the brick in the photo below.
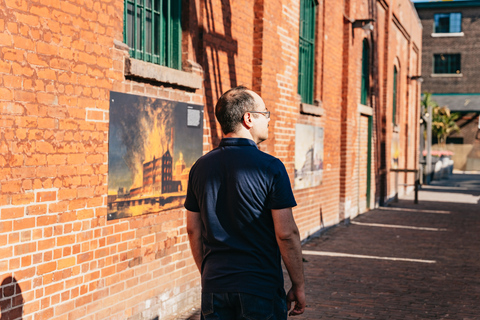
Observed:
{"x":13,"y":213}
{"x":25,"y":223}
{"x":77,"y":204}
{"x":11,"y":108}
{"x":12,"y":82}
{"x":23,"y":43}
{"x":65,"y":240}
{"x":66,"y":263}
{"x":46,"y":244}
{"x":47,"y":74}
{"x":22,"y":199}
{"x":35,"y":160}
{"x":6,"y":40}
{"x":11,"y":186}
{"x":6,"y":94}
{"x":26,"y":248}
{"x":85,"y":214}
{"x":46,"y":220}
{"x":25,"y":172}
{"x":46,"y":171}
{"x":46,"y":123}
{"x":46,"y":268}
{"x":64,"y":194}
{"x":46,"y":196}
{"x":37,"y":209}
{"x":47,"y":98}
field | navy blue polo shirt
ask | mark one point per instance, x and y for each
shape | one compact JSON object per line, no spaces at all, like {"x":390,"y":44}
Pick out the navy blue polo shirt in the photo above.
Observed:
{"x":234,"y":187}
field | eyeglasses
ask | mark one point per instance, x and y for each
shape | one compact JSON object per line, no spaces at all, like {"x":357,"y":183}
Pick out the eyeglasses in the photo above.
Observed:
{"x":265,"y":113}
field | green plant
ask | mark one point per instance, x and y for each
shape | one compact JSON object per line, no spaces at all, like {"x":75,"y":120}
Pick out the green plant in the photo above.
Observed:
{"x":443,"y":124}
{"x":443,"y":121}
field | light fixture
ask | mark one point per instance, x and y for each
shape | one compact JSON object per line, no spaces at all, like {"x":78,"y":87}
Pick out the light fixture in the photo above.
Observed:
{"x":365,"y":24}
{"x":416,"y":78}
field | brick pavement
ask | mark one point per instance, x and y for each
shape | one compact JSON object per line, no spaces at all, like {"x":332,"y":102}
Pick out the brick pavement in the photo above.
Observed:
{"x":440,"y":281}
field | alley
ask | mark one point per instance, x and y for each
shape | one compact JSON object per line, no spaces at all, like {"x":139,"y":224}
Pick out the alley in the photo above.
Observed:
{"x":404,"y":261}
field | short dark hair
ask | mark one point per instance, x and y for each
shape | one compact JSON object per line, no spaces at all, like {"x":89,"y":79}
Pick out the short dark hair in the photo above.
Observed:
{"x":231,"y":107}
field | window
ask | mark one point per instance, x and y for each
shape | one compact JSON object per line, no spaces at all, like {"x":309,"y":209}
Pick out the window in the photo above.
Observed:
{"x":153,"y":31}
{"x":446,"y":63}
{"x":448,"y":22}
{"x":306,"y":54}
{"x":365,"y":85}
{"x":394,"y":109}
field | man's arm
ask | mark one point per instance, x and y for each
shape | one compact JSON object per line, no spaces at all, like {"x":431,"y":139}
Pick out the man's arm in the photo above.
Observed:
{"x":194,"y":230}
{"x":288,"y":240}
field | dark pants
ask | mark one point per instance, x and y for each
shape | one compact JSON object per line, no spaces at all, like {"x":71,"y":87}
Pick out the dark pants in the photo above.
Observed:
{"x":239,"y":305}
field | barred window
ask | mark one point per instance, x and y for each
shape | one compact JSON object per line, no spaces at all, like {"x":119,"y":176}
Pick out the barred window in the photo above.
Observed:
{"x":446,"y":63}
{"x":448,"y":22}
{"x":394,"y":111}
{"x":365,"y":85}
{"x":152,"y":30}
{"x":306,"y":56}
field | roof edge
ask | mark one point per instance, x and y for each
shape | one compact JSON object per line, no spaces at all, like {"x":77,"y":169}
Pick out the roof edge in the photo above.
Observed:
{"x":449,"y":4}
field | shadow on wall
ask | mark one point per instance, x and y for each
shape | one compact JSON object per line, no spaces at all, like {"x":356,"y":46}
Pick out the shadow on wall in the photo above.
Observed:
{"x":212,"y":42}
{"x":11,"y":300}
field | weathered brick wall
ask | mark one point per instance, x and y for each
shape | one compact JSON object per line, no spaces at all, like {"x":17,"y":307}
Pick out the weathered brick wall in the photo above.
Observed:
{"x":401,"y":45}
{"x":59,"y":256}
{"x":58,"y":65}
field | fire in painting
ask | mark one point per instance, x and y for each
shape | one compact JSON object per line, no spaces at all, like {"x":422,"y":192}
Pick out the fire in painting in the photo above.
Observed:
{"x":153,"y":143}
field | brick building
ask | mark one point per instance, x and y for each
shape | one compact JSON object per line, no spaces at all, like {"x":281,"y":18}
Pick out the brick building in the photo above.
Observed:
{"x":336,"y":75}
{"x":450,"y":69}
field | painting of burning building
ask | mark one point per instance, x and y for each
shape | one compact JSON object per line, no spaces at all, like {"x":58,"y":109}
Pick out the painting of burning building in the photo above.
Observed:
{"x":308,"y":156}
{"x":153,"y":143}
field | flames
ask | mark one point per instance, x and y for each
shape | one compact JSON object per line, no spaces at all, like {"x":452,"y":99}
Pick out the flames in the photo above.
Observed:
{"x":146,"y":133}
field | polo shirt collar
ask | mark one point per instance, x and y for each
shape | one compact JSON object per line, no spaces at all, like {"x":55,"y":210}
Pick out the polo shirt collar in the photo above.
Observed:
{"x":237,"y":142}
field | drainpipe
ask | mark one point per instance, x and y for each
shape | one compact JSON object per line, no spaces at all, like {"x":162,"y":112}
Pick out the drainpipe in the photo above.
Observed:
{"x":429,"y":144}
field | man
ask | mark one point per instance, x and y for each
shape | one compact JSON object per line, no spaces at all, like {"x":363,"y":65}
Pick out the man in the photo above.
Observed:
{"x":239,"y":219}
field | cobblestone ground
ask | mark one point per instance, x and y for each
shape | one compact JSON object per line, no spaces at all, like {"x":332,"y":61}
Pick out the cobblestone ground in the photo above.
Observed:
{"x":404,"y":261}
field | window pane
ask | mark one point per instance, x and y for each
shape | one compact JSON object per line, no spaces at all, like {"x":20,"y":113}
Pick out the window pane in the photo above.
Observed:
{"x":176,"y":33}
{"x":130,"y":26}
{"x":365,"y":74}
{"x":448,"y":22}
{"x":442,"y":22}
{"x":306,"y":55}
{"x":153,"y":31}
{"x":148,"y":32}
{"x":394,"y":111}
{"x":446,"y":63}
{"x":138,"y":45}
{"x":455,"y":22}
{"x":165,"y":32}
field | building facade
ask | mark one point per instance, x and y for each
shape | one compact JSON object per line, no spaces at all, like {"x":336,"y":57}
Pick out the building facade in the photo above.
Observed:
{"x":94,"y":93}
{"x":450,"y":70}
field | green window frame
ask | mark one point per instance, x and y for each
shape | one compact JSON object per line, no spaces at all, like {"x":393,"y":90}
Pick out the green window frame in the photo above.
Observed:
{"x":394,"y":102}
{"x":447,"y":63}
{"x":153,"y":31}
{"x":306,"y":55}
{"x":365,"y":85}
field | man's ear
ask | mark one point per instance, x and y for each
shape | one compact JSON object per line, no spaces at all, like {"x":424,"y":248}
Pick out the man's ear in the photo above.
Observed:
{"x":247,"y":120}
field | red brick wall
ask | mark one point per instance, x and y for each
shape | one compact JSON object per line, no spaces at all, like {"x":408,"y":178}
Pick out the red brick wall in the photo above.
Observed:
{"x":59,"y":60}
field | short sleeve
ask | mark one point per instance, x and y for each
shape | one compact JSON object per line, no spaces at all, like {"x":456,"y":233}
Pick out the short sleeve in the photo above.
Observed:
{"x":191,"y":202}
{"x":281,"y":194}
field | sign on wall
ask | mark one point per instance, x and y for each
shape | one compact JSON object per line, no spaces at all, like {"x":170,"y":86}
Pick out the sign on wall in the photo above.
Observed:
{"x":395,"y":153}
{"x":153,"y":143}
{"x":308,"y":156}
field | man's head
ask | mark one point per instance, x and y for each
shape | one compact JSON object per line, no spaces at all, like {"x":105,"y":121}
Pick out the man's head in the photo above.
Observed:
{"x":238,"y":109}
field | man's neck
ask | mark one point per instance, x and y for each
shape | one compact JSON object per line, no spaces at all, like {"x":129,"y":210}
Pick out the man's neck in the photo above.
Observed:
{"x":240,"y":134}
